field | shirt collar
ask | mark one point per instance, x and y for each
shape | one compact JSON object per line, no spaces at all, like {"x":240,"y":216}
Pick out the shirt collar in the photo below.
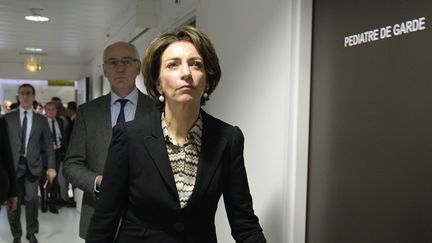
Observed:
{"x":132,"y":97}
{"x":21,"y":110}
{"x":193,"y":136}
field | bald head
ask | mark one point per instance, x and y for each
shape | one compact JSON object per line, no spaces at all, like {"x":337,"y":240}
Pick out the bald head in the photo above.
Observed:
{"x":121,"y":67}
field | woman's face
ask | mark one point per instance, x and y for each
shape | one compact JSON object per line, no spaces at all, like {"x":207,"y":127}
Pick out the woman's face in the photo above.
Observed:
{"x":182,"y":77}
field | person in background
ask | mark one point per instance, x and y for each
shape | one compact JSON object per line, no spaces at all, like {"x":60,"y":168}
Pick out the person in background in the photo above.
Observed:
{"x":50,"y":190}
{"x":14,"y":105}
{"x":38,"y":107}
{"x":86,"y":155}
{"x":6,"y":106}
{"x":8,"y":190}
{"x":30,"y":138}
{"x":71,"y":111}
{"x":66,"y":190}
{"x":165,"y":174}
{"x":61,"y":111}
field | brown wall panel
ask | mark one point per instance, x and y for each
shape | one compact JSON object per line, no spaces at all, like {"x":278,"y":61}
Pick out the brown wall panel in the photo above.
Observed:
{"x":370,"y":164}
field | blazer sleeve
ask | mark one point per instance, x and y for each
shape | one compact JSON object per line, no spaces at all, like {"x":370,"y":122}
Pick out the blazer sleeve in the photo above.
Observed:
{"x":75,"y":162}
{"x":6,"y":158}
{"x":245,"y":227}
{"x":114,"y":190}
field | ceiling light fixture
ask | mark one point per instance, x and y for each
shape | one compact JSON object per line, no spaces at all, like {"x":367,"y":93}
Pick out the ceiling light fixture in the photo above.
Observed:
{"x":33,"y":67}
{"x":33,"y":64}
{"x":33,"y":49}
{"x":36,"y":15}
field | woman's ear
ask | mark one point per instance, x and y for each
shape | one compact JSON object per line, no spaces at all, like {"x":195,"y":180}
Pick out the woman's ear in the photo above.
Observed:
{"x":207,"y":86}
{"x":159,"y":86}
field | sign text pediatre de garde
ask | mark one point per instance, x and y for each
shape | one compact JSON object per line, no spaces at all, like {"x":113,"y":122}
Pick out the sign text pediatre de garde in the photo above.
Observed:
{"x":388,"y":31}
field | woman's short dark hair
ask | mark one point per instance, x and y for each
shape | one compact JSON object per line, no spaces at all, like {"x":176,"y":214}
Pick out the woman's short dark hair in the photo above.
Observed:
{"x":152,"y":58}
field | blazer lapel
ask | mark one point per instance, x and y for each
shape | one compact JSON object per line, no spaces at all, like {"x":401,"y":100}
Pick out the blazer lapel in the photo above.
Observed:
{"x":157,"y":150}
{"x":142,"y":106}
{"x":105,"y":118}
{"x":17,"y":123}
{"x":212,"y":149}
{"x":35,"y":123}
{"x":139,"y":112}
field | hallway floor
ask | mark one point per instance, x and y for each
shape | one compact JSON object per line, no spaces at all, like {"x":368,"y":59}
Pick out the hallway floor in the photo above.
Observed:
{"x":53,"y":228}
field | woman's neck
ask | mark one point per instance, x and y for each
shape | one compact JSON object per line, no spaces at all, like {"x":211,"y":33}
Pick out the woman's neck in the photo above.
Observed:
{"x":180,"y":118}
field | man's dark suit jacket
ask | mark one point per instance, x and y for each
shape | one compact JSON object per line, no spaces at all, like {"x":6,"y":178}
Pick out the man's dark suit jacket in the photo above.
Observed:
{"x":61,"y":152}
{"x":69,"y":130}
{"x":39,"y":142}
{"x":7,"y":171}
{"x":139,"y":187}
{"x":88,"y":148}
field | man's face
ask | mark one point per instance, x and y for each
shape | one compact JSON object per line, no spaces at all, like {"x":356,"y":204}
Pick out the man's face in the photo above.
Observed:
{"x":6,"y":105}
{"x":26,"y":97}
{"x":51,"y":111}
{"x":121,"y":68}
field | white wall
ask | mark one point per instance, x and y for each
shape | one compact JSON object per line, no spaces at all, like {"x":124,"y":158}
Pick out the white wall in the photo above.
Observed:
{"x":50,"y":72}
{"x":260,"y":91}
{"x":1,"y":95}
{"x":264,"y":50}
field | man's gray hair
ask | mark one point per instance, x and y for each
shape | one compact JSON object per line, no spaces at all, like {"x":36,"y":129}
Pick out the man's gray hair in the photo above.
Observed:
{"x":122,"y":42}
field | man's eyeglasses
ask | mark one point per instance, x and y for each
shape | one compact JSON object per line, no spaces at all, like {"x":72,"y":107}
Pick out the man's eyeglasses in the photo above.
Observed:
{"x":126,"y":62}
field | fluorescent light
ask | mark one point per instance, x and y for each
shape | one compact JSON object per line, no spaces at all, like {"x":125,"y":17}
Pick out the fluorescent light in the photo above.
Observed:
{"x":36,"y":15}
{"x":37,"y":18}
{"x":33,"y":49}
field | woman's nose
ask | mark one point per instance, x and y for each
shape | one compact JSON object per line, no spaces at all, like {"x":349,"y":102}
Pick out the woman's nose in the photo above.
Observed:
{"x":185,"y":71}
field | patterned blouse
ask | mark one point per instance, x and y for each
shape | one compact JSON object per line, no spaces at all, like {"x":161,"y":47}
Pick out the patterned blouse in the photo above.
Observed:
{"x":184,"y":159}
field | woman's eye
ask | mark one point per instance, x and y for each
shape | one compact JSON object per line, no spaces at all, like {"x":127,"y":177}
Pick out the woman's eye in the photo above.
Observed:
{"x":196,"y":64}
{"x":171,"y":65}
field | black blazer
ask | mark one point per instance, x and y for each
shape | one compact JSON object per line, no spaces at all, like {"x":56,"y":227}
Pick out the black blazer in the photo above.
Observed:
{"x":139,"y":187}
{"x":7,"y":170}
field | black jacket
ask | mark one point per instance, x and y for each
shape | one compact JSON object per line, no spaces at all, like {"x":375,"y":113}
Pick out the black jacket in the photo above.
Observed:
{"x":7,"y":170}
{"x":139,"y":187}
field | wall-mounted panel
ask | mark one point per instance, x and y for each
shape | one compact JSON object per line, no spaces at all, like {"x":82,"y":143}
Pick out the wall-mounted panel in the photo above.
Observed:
{"x":370,"y":162}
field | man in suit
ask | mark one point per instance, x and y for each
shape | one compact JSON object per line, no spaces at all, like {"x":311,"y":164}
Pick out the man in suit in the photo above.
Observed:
{"x":66,"y":188}
{"x":91,"y":135}
{"x":7,"y":171}
{"x":30,"y":138}
{"x":50,"y":190}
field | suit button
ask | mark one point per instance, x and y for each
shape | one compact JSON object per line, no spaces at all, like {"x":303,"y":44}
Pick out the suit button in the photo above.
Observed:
{"x":179,"y":226}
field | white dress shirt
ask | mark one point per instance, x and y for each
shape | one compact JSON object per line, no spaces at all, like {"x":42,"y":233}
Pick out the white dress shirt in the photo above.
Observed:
{"x":29,"y":124}
{"x":129,"y":109}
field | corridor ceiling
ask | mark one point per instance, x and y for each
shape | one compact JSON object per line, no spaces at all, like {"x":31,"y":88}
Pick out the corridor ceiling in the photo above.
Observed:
{"x":76,"y":31}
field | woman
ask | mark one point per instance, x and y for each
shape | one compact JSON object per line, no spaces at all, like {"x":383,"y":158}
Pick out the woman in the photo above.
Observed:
{"x":165,"y":174}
